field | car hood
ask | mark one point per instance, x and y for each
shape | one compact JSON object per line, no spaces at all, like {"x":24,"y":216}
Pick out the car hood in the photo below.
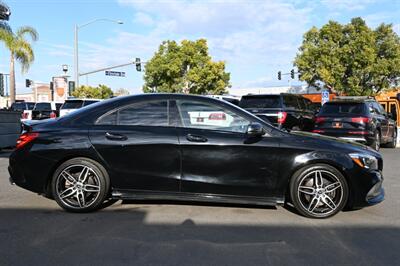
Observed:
{"x":334,"y":144}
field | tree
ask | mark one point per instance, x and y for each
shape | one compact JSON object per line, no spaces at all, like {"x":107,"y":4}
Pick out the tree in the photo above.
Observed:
{"x":20,"y":50}
{"x":185,"y":68}
{"x":99,"y":92}
{"x":121,"y":92}
{"x":351,"y":59}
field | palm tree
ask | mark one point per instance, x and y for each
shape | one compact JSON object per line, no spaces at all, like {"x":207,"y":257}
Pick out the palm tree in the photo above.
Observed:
{"x":20,"y":50}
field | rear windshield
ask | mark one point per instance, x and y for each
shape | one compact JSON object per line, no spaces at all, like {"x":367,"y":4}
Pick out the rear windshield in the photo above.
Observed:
{"x":72,"y":105}
{"x":43,"y":107}
{"x":270,"y":101}
{"x":343,"y":108}
{"x":18,"y":106}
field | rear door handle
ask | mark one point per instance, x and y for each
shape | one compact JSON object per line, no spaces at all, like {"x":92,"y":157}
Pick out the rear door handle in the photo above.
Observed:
{"x":196,"y":138}
{"x":112,"y":136}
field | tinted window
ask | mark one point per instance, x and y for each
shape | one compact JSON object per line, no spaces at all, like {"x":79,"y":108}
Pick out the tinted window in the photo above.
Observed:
{"x":230,"y":100}
{"x":393,"y":111}
{"x":291,"y":101}
{"x":58,"y":106}
{"x":30,"y":106}
{"x":302,"y":103}
{"x":43,"y":107}
{"x":343,"y":108}
{"x":147,"y":113}
{"x":72,"y":104}
{"x":265,"y":101}
{"x":109,"y":119}
{"x":209,"y":116}
{"x":86,"y":103}
{"x":18,"y":106}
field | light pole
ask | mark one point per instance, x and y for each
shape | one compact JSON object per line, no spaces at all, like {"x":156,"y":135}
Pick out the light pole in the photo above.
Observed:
{"x":76,"y":56}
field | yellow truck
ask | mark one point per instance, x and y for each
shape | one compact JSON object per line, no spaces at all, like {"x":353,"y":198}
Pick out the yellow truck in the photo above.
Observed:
{"x":390,"y":101}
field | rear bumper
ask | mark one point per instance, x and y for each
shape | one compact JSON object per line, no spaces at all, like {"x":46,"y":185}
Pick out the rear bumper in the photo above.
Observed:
{"x":357,"y":136}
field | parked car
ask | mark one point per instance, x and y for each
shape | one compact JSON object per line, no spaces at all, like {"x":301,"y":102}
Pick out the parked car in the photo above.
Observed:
{"x":148,"y":147}
{"x":74,"y":104}
{"x":229,"y":98}
{"x":45,"y":110}
{"x":25,"y":108}
{"x":288,"y":111}
{"x":360,"y":119}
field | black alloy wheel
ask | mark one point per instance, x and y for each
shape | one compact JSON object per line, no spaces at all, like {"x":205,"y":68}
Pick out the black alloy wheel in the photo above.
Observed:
{"x":318,"y":191}
{"x":80,"y":185}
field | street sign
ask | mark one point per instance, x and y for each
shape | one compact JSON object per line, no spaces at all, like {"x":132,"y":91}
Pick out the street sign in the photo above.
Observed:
{"x":324,"y":97}
{"x":115,"y":73}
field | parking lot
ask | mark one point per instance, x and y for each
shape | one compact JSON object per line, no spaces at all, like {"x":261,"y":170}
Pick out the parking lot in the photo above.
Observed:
{"x":34,"y":230}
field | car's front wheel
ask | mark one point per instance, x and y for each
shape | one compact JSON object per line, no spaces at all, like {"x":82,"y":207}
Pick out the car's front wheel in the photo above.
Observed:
{"x":80,"y":185}
{"x":318,"y":191}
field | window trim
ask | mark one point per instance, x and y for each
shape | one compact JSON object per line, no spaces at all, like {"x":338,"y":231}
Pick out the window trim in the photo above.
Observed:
{"x":118,"y":109}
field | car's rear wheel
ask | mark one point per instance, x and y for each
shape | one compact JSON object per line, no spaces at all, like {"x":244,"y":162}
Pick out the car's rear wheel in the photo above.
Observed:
{"x":318,"y":191}
{"x":80,"y":185}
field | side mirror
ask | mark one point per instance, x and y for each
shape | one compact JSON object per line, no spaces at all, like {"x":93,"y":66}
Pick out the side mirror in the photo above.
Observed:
{"x":255,"y":130}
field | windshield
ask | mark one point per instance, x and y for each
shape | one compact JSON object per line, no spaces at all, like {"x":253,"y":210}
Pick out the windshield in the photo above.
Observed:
{"x":72,"y":104}
{"x":18,"y":106}
{"x":270,"y":101}
{"x":343,"y":108}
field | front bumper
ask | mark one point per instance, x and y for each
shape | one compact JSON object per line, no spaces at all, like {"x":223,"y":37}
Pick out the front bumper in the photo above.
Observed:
{"x":366,"y":188}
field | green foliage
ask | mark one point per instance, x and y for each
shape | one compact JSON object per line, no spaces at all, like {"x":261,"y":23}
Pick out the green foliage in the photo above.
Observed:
{"x":351,"y":59}
{"x":185,"y":68}
{"x":99,"y":92}
{"x":20,"y":50}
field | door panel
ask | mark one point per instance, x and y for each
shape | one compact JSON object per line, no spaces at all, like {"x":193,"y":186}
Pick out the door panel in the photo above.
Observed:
{"x":139,"y":157}
{"x":228,"y":163}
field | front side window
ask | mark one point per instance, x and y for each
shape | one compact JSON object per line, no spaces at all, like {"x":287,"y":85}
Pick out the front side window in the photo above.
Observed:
{"x":154,"y":113}
{"x":393,"y":111}
{"x":210,"y":116}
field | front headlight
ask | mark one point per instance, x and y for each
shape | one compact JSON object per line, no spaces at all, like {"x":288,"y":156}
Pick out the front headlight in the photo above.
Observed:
{"x":365,"y":160}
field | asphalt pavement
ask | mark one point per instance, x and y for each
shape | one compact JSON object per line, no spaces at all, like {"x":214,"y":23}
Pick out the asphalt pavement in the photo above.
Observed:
{"x":35,"y":231}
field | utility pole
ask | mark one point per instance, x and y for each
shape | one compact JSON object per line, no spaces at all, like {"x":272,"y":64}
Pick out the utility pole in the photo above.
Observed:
{"x":76,"y":59}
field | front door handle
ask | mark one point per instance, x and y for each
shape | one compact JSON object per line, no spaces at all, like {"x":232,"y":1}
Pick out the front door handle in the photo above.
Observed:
{"x":196,"y":138}
{"x":113,"y":136}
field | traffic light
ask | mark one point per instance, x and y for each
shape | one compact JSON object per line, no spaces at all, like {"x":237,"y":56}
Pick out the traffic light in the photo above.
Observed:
{"x":1,"y":85}
{"x":292,"y":73}
{"x":71,"y":87}
{"x":28,"y":83}
{"x":279,"y":75}
{"x":138,"y":64}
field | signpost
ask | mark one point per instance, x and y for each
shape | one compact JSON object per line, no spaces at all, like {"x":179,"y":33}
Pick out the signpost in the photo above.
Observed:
{"x":115,"y":73}
{"x":324,"y":97}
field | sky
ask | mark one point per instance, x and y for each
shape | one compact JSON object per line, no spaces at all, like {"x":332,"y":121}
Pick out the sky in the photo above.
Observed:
{"x":255,"y":38}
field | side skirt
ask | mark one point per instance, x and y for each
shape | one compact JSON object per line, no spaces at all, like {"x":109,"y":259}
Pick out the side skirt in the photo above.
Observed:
{"x":199,"y":197}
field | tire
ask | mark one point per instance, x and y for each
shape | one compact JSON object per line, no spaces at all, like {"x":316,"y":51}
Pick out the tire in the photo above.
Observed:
{"x":376,"y":144}
{"x":80,"y":185}
{"x":393,"y":143}
{"x":318,"y":191}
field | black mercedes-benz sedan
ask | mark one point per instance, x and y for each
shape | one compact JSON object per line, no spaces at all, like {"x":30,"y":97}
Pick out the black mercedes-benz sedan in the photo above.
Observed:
{"x":191,"y":148}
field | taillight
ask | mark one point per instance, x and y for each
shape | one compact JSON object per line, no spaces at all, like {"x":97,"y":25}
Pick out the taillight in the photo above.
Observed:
{"x":282,"y":117}
{"x":318,"y":131}
{"x":217,"y":116}
{"x":25,"y":115}
{"x":53,"y":115}
{"x":319,"y":119}
{"x":361,"y":120}
{"x":25,"y":139}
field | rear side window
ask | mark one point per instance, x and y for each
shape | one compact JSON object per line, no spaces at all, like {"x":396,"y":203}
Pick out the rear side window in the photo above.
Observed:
{"x":343,"y":108}
{"x":153,"y":113}
{"x":290,"y":102}
{"x":268,"y":101}
{"x":43,"y":107}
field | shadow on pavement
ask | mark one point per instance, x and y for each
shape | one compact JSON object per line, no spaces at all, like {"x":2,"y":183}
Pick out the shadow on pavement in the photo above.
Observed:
{"x":122,"y":236}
